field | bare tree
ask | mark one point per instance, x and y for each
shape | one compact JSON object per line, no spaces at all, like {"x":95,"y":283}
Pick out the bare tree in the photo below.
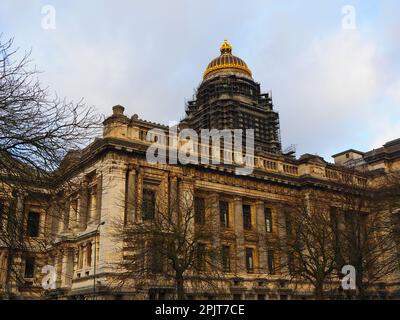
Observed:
{"x":307,"y":243}
{"x":36,"y":132}
{"x":171,"y":243}
{"x":367,"y":236}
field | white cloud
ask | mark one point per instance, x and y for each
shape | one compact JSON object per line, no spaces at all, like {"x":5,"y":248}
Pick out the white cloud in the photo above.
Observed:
{"x":394,"y":92}
{"x":332,"y":87}
{"x":327,"y":90}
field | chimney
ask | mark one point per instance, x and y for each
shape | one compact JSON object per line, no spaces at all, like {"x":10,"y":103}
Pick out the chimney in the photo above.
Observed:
{"x":118,"y":110}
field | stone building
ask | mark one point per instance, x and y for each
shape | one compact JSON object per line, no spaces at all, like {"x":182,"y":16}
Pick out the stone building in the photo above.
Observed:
{"x":112,"y":179}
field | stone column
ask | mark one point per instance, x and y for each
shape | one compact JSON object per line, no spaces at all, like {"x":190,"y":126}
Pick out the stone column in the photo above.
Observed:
{"x":139,"y":189}
{"x":262,"y":245}
{"x":73,"y":212}
{"x":82,"y":214}
{"x":54,"y":217}
{"x":215,"y":226}
{"x":99,"y":191}
{"x":63,"y":222}
{"x":20,"y":215}
{"x":240,"y":249}
{"x":131,"y":196}
{"x":281,"y":261}
{"x":67,"y":267}
{"x":58,"y":267}
{"x":64,"y":262}
{"x":112,"y":210}
{"x":92,"y":206}
{"x":186,"y":204}
{"x":173,"y":197}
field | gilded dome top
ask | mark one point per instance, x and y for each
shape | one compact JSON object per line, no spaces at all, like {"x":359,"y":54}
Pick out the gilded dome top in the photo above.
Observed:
{"x":226,"y":62}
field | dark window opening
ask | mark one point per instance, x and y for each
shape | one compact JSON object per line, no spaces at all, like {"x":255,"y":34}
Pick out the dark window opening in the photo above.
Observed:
{"x":29,"y":267}
{"x":148,"y":204}
{"x":199,"y":210}
{"x":33,"y":224}
{"x":291,"y":264}
{"x":237,"y":296}
{"x":268,"y":220}
{"x":156,"y":260}
{"x":224,"y":213}
{"x":89,"y":254}
{"x":201,"y":256}
{"x":261,"y":297}
{"x":271,"y":262}
{"x":226,"y":259}
{"x":246,"y":217}
{"x":249,"y":260}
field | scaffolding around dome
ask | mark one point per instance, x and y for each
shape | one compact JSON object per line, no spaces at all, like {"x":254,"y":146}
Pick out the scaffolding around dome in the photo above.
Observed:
{"x":229,"y":98}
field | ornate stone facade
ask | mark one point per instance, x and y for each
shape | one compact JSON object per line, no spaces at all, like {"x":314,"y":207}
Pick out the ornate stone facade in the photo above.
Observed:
{"x":111,"y":175}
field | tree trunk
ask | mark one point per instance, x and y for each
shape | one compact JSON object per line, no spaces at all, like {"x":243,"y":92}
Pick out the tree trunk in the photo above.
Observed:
{"x":10,"y":258}
{"x":319,"y":291}
{"x":180,"y":289}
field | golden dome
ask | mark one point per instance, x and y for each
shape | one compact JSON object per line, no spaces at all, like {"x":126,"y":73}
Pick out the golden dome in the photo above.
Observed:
{"x":226,"y":62}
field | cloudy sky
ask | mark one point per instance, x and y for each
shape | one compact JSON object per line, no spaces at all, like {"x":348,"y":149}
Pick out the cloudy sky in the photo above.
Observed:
{"x":335,"y":80}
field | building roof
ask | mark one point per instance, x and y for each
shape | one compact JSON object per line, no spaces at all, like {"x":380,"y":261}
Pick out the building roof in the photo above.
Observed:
{"x":226,"y":62}
{"x":348,"y":151}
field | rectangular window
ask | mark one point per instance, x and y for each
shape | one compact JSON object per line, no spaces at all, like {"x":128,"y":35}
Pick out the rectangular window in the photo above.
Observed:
{"x":226,"y":259}
{"x":333,"y":215}
{"x":148,"y":204}
{"x":29,"y":267}
{"x":224,"y":213}
{"x":237,"y":296}
{"x":261,"y":297}
{"x":246,"y":217}
{"x":89,"y":254}
{"x":249,"y":260}
{"x":80,"y":256}
{"x":291,"y":265}
{"x":33,"y":224}
{"x":201,"y":256}
{"x":268,"y":220}
{"x":199,"y":210}
{"x":156,"y":262}
{"x":271,"y":262}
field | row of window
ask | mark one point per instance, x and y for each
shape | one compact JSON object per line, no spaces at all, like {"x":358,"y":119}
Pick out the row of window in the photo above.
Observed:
{"x":226,"y":259}
{"x":32,"y":225}
{"x":224,"y":215}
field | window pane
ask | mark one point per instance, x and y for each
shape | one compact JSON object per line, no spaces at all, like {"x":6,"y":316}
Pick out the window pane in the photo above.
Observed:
{"x":156,"y":257}
{"x":80,"y":257}
{"x":89,"y":254}
{"x":249,"y":260}
{"x":200,"y":256}
{"x":33,"y":224}
{"x":226,"y":264}
{"x":268,"y":220}
{"x":271,"y":267}
{"x":224,"y":213}
{"x":29,"y":267}
{"x":148,"y":204}
{"x":246,"y":217}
